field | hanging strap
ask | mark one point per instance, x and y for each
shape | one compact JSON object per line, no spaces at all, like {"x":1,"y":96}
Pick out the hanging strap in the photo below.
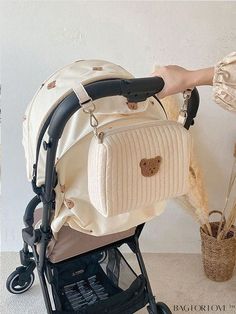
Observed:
{"x":85,"y":100}
{"x":160,"y":103}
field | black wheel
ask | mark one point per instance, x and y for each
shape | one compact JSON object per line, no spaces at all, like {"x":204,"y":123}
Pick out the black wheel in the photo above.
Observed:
{"x":162,"y":308}
{"x":20,"y":280}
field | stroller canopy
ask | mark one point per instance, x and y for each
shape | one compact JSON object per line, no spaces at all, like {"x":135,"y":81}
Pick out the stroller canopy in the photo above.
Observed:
{"x":72,"y":201}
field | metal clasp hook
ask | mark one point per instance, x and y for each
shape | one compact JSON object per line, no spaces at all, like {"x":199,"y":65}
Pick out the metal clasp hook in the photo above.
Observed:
{"x":92,"y":119}
{"x":183,"y":114}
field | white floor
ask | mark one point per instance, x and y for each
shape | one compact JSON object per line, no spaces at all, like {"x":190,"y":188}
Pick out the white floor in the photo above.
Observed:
{"x":176,"y":279}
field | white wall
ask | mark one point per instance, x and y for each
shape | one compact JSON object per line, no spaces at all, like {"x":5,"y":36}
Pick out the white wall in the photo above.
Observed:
{"x":39,"y":37}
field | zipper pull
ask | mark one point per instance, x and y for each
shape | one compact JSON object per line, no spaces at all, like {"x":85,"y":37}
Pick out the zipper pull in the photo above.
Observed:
{"x":100,"y":137}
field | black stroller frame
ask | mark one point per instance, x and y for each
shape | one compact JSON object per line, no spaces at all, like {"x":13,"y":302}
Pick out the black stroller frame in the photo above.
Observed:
{"x":135,"y":90}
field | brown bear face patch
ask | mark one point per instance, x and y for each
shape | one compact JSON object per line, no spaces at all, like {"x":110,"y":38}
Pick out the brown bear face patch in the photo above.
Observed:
{"x":132,"y":105}
{"x":62,"y":188}
{"x":69,"y":203}
{"x":51,"y":85}
{"x":149,"y":167}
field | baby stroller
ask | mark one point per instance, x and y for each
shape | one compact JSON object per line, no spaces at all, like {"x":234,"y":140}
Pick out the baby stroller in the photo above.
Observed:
{"x":79,"y":259}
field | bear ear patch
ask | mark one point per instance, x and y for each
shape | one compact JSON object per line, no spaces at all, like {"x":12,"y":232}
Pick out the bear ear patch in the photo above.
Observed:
{"x":143,"y":162}
{"x":150,"y":167}
{"x":158,"y":159}
{"x":69,"y":203}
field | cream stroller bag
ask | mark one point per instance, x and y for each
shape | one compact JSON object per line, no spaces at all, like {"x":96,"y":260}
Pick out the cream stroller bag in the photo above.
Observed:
{"x":131,"y":167}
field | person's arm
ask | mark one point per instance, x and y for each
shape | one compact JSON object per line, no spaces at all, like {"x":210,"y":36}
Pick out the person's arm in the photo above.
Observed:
{"x":202,"y":77}
{"x":222,"y":76}
{"x":178,"y":79}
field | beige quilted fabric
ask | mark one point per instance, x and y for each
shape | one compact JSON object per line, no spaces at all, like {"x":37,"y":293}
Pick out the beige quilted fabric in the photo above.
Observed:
{"x":116,"y":183}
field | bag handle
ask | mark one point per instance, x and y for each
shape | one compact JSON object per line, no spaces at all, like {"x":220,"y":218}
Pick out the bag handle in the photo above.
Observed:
{"x":160,"y":103}
{"x":217,"y":212}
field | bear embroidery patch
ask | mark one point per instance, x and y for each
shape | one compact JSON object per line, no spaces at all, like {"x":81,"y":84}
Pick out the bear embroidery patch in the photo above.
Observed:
{"x":149,"y":167}
{"x":132,"y":105}
{"x":69,"y":203}
{"x":62,"y":188}
{"x":51,"y":85}
{"x":192,"y":172}
{"x":97,"y":68}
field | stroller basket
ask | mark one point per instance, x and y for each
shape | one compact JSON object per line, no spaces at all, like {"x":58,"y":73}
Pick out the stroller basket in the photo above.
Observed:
{"x":100,"y":282}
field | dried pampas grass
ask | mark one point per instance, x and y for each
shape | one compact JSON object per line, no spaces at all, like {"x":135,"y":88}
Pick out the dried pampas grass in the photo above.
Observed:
{"x":196,"y":201}
{"x":231,"y":219}
{"x":222,"y":233}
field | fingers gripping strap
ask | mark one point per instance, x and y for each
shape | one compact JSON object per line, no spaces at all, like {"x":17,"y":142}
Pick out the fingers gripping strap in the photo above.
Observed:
{"x":84,"y":99}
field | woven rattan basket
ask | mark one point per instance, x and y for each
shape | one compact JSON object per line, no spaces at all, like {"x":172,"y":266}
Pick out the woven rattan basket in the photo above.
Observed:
{"x":218,"y":256}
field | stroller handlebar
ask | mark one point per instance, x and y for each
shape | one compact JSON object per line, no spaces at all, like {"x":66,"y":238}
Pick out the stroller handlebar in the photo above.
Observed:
{"x":135,"y":90}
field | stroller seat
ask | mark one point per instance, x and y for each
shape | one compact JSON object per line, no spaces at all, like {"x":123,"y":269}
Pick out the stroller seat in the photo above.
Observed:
{"x":69,"y":242}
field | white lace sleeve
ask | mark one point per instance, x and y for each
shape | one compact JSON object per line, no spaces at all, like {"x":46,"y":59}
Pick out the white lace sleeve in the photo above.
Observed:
{"x":224,"y":82}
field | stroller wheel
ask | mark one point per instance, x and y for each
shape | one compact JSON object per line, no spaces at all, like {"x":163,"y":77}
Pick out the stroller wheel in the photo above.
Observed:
{"x":20,"y":280}
{"x":162,"y":308}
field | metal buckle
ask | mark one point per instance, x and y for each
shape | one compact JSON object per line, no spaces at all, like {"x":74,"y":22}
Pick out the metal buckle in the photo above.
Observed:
{"x":183,"y":114}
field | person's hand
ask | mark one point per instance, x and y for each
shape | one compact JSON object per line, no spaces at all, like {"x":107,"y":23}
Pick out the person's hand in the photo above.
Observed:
{"x":176,"y":78}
